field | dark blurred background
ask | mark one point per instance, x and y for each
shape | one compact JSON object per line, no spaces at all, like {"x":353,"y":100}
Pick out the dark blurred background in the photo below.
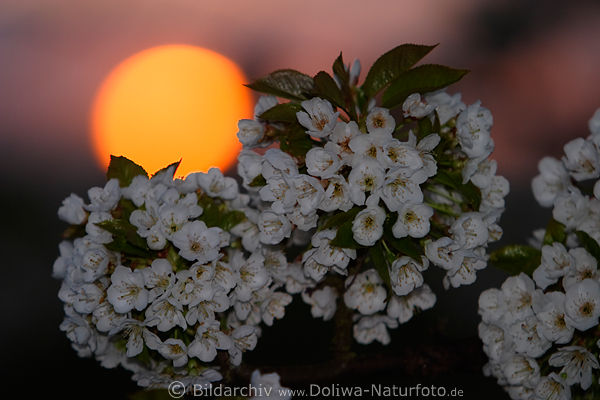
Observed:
{"x":534,"y":64}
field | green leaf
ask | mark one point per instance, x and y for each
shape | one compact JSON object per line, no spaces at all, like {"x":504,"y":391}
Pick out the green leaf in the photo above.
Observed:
{"x":555,"y":232}
{"x":74,"y":231}
{"x":175,"y":259}
{"x":391,"y":65}
{"x":258,"y":180}
{"x":425,"y":128}
{"x":295,"y":141}
{"x":339,"y":218}
{"x":405,"y":246}
{"x":284,"y":112}
{"x":216,"y":213}
{"x":344,"y":237}
{"x":436,"y":128}
{"x":231,"y":219}
{"x":124,"y":209}
{"x":326,"y":88}
{"x":347,"y":98}
{"x":211,"y":211}
{"x":471,"y":194}
{"x":286,"y":83}
{"x":516,"y":258}
{"x":174,"y":166}
{"x":121,"y":228}
{"x":339,"y":70}
{"x":453,"y":180}
{"x":124,"y":170}
{"x":376,"y":253}
{"x":421,"y":79}
{"x":589,"y":243}
{"x":121,"y":245}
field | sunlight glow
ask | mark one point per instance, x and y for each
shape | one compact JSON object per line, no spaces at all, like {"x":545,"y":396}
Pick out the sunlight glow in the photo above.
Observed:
{"x":169,"y":103}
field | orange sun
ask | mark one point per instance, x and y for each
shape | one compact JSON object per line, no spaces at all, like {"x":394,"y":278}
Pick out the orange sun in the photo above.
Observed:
{"x":169,"y":103}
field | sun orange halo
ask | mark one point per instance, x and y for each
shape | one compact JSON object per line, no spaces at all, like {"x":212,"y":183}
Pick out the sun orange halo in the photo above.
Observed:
{"x":169,"y":103}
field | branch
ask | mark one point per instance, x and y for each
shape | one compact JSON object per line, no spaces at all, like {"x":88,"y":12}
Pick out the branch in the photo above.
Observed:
{"x":417,"y":361}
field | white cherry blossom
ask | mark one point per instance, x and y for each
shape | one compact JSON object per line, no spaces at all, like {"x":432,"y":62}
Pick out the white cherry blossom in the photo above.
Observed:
{"x":365,"y":292}
{"x":273,"y":227}
{"x":367,"y":227}
{"x":585,"y":267}
{"x":279,"y":191}
{"x":521,"y":370}
{"x":447,"y":106}
{"x":268,"y":385}
{"x":249,"y":166}
{"x":551,"y":313}
{"x":216,"y":185}
{"x":274,"y":307}
{"x":577,"y":364}
{"x":96,"y":233}
{"x":159,"y":278}
{"x":526,"y":338}
{"x":263,"y":104}
{"x":473,"y":125}
{"x":277,"y":162}
{"x":127,"y":290}
{"x":319,"y":118}
{"x":582,"y":304}
{"x":552,"y":181}
{"x":197,"y":242}
{"x":250,"y":132}
{"x":402,"y":186}
{"x":380,"y":122}
{"x":252,"y":272}
{"x":470,"y":230}
{"x":176,"y":350}
{"x":104,"y":199}
{"x":373,"y":327}
{"x":165,"y":314}
{"x":581,"y":159}
{"x":71,"y":210}
{"x":401,"y":154}
{"x":556,"y":262}
{"x":308,"y":192}
{"x":415,"y":107}
{"x":405,"y":274}
{"x":492,"y":305}
{"x":518,"y":291}
{"x":552,"y":387}
{"x":244,"y":339}
{"x":413,"y":221}
{"x":445,"y":253}
{"x":208,"y":340}
{"x":329,"y":255}
{"x":336,"y":195}
{"x":367,"y":176}
{"x":342,"y":135}
{"x":322,"y":162}
{"x":322,"y":302}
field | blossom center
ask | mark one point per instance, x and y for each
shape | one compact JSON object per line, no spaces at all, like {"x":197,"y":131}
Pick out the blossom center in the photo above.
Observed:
{"x":586,"y":309}
{"x":195,"y":246}
{"x":378,"y":121}
{"x":321,"y":122}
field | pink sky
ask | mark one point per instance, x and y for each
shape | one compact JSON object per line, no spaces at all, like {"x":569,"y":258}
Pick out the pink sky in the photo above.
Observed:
{"x":54,"y":54}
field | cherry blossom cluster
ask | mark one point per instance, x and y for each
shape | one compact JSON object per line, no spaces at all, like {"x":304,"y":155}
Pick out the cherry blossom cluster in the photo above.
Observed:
{"x":155,"y":277}
{"x":377,"y":198}
{"x":541,"y":332}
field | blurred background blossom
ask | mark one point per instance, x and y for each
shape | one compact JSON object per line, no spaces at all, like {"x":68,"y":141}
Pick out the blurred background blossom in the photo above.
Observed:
{"x":534,"y":64}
